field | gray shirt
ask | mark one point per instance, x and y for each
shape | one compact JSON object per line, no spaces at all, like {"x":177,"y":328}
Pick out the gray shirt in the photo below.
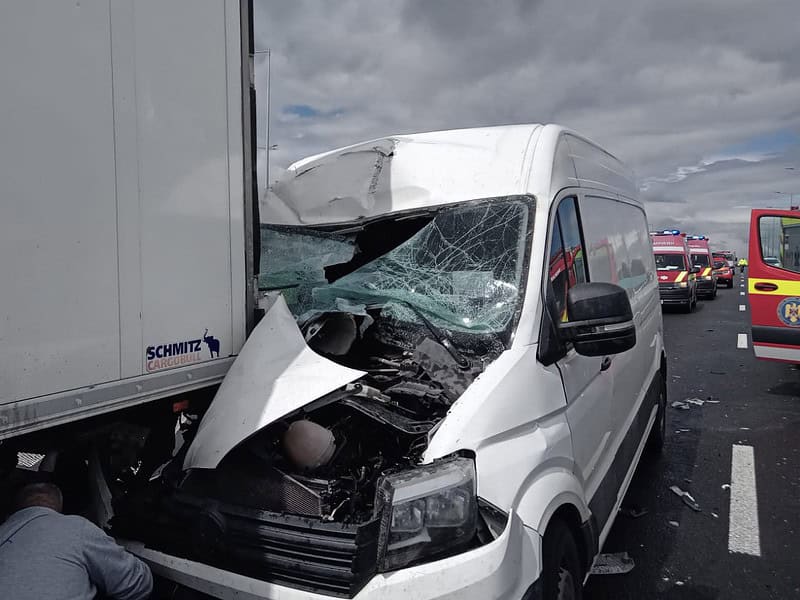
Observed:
{"x":44,"y":554}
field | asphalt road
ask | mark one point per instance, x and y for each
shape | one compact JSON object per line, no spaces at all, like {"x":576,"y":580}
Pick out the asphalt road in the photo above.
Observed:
{"x":707,"y":554}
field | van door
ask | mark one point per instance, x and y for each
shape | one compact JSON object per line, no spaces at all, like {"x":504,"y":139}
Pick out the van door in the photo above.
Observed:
{"x":587,"y":383}
{"x":619,"y":252}
{"x":774,"y":284}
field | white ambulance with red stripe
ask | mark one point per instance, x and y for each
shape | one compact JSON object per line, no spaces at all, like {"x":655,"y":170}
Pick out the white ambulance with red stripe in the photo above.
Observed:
{"x":774,"y":284}
{"x":701,"y":258}
{"x":677,"y":276}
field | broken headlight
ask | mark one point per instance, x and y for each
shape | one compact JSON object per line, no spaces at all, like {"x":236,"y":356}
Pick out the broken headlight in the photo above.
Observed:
{"x":428,"y":512}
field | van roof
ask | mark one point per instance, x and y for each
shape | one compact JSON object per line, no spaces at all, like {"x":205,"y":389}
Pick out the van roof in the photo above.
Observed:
{"x":412,"y":171}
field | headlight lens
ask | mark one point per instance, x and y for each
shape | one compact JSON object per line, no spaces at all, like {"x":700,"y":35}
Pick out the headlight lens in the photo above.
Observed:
{"x":683,"y":284}
{"x":707,"y":277}
{"x":427,"y":512}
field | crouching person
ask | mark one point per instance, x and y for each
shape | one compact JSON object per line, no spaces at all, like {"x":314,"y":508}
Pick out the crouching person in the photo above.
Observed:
{"x":45,"y":554}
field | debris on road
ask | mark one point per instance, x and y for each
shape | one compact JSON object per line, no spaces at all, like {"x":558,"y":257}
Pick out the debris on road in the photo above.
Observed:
{"x":612,"y":564}
{"x":695,"y":401}
{"x":712,"y":401}
{"x":715,"y":515}
{"x":718,"y":372}
{"x":633,"y":511}
{"x":726,"y":486}
{"x":682,"y":430}
{"x":680,"y":405}
{"x":674,"y":524}
{"x":686,"y":497}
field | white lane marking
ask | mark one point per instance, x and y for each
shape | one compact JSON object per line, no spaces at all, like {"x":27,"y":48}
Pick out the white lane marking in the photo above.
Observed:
{"x":741,"y":341}
{"x":742,"y":308}
{"x":743,"y":533}
{"x":741,"y":293}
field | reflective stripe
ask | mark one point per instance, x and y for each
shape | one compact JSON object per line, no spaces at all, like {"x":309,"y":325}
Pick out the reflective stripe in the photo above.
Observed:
{"x":681,"y":276}
{"x":706,"y":271}
{"x":786,"y":287}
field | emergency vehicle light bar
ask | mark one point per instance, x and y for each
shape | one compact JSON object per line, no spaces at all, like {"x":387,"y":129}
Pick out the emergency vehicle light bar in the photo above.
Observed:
{"x":697,"y":237}
{"x":667,"y":232}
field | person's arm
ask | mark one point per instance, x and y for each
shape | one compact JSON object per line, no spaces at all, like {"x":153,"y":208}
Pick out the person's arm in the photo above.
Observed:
{"x":116,"y":572}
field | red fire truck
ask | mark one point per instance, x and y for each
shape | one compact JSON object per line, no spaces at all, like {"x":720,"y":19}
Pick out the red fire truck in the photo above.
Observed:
{"x":700,"y":255}
{"x":677,"y":277}
{"x":774,"y":284}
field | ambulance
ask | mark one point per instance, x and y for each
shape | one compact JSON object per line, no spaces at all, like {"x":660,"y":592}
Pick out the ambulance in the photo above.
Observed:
{"x":700,"y":255}
{"x":677,"y":277}
{"x":774,"y":284}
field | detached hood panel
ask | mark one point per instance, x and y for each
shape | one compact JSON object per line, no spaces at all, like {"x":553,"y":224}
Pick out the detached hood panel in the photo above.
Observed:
{"x":275,"y":374}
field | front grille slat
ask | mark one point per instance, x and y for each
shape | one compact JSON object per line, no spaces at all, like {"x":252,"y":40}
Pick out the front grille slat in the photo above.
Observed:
{"x":300,"y":552}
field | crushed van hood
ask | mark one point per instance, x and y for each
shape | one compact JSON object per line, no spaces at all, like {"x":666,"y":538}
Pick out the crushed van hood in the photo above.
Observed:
{"x":275,"y":374}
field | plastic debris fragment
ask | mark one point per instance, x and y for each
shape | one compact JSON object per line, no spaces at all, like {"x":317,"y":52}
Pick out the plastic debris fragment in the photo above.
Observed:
{"x":612,"y":564}
{"x":673,"y":524}
{"x":686,"y":497}
{"x":680,"y":405}
{"x":695,"y":401}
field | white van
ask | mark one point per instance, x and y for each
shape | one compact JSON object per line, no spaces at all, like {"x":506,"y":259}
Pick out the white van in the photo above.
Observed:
{"x":460,"y":363}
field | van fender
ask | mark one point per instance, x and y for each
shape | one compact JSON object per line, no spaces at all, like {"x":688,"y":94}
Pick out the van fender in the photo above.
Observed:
{"x":550,"y":491}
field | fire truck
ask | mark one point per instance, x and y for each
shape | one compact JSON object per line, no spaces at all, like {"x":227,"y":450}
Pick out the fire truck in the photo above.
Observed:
{"x":774,"y":284}
{"x":677,"y":277}
{"x":700,"y":255}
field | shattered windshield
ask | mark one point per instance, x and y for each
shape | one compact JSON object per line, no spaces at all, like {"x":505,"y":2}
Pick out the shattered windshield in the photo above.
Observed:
{"x":462,"y":266}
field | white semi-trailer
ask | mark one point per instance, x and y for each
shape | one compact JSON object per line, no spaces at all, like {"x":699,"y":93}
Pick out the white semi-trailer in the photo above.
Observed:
{"x":127,"y":185}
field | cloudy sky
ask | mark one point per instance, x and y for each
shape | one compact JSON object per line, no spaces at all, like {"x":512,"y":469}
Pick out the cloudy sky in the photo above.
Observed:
{"x":700,"y":97}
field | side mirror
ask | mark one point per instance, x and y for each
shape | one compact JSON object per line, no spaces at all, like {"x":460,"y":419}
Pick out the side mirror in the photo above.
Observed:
{"x":695,"y":270}
{"x":600,"y":319}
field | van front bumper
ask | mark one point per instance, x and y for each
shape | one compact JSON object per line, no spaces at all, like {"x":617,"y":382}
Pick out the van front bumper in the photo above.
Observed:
{"x":506,"y":568}
{"x":674,"y":295}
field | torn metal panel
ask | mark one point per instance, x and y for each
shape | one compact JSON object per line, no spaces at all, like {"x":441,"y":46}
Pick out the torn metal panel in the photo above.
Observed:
{"x":275,"y":374}
{"x":401,"y":173}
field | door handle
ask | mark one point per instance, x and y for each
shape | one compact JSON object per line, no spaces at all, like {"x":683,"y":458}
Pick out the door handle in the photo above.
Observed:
{"x":763,"y":286}
{"x":606,"y":363}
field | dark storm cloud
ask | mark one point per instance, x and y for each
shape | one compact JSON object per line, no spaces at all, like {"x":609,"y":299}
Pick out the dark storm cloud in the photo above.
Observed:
{"x":668,"y":87}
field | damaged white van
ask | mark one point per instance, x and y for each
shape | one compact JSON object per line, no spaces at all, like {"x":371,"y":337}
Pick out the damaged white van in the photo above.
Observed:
{"x":460,"y":364}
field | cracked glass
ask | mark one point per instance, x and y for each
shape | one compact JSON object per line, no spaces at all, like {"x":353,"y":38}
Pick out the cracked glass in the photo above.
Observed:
{"x":463,"y":269}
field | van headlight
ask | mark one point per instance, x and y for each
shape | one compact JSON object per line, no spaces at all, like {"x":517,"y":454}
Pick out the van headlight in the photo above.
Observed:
{"x":683,"y":284}
{"x":428,"y":512}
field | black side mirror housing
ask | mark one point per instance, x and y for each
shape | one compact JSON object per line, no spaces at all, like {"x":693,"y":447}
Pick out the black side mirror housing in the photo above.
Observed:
{"x":600,"y":319}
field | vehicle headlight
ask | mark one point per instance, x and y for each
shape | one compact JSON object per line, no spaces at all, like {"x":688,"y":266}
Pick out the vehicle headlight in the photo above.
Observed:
{"x":427,"y":512}
{"x":683,"y":284}
{"x":707,"y":277}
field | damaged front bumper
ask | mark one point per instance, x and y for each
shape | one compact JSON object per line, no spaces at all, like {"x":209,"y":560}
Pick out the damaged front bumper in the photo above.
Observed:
{"x":505,"y":568}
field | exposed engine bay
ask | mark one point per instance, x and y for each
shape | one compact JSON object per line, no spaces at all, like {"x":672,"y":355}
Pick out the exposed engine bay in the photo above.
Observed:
{"x":413,"y":310}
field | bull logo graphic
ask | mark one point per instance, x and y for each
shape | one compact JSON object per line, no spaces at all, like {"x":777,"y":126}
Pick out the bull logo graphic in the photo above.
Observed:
{"x":789,"y":312}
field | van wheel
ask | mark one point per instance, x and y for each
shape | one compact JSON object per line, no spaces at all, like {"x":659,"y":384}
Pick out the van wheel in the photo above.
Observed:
{"x":655,"y":442}
{"x":562,"y":576}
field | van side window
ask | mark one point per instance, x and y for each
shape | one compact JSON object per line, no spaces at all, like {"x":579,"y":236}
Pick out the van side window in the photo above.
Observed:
{"x":617,"y":245}
{"x":566,"y":266}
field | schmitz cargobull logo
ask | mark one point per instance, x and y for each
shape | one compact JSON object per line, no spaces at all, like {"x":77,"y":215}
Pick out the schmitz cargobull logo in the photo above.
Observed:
{"x":177,"y":354}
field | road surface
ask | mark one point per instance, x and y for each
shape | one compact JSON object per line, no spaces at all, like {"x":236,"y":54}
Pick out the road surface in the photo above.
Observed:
{"x":737,"y":456}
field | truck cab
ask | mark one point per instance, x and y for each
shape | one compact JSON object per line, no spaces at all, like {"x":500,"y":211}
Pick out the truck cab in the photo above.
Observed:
{"x":677,"y":276}
{"x":700,"y":255}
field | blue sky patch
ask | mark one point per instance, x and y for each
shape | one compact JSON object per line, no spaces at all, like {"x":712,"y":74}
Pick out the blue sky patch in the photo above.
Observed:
{"x":769,"y":143}
{"x":304,"y":111}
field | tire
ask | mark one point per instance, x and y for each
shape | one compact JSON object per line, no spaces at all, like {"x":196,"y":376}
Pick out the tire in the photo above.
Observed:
{"x":658,"y":434}
{"x":562,"y":574}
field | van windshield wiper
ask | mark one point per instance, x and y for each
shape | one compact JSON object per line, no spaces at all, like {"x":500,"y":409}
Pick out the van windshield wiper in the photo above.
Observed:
{"x":439,"y":334}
